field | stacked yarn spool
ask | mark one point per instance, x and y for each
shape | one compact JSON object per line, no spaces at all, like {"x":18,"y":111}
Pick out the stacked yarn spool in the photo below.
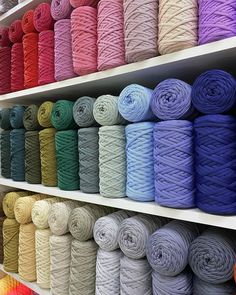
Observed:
{"x":2,"y":218}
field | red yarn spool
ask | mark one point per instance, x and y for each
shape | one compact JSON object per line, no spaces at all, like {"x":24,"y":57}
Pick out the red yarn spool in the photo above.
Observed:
{"x":17,"y":67}
{"x":46,"y":57}
{"x":4,"y":37}
{"x":42,"y":17}
{"x":28,"y":22}
{"x":79,"y":3}
{"x":30,"y":46}
{"x":84,"y":40}
{"x":20,"y":290}
{"x":5,"y":70}
{"x":15,"y":31}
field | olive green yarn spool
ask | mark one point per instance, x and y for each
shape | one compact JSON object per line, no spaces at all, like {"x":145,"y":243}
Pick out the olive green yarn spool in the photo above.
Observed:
{"x":5,"y":154}
{"x":5,"y":119}
{"x":30,"y":118}
{"x":62,"y":115}
{"x":9,"y":201}
{"x":67,"y":159}
{"x":48,"y":156}
{"x":44,"y":114}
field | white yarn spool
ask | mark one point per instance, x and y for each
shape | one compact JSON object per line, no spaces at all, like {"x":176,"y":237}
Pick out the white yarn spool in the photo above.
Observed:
{"x":42,"y":247}
{"x":108,"y":272}
{"x":135,"y":277}
{"x":83,"y":268}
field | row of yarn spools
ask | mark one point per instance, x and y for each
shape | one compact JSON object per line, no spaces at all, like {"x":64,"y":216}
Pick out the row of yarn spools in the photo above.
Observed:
{"x":53,"y":43}
{"x":10,"y":286}
{"x":74,"y":248}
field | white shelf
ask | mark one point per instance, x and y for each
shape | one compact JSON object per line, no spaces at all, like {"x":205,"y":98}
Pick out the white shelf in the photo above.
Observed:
{"x":192,"y":215}
{"x":33,"y":286}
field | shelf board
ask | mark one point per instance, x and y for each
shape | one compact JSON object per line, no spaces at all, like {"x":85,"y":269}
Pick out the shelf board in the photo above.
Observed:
{"x":33,"y":286}
{"x":192,"y":215}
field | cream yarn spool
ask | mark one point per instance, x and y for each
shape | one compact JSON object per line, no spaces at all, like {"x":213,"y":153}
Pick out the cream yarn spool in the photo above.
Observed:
{"x":83,"y":268}
{"x":9,"y":202}
{"x":178,"y":24}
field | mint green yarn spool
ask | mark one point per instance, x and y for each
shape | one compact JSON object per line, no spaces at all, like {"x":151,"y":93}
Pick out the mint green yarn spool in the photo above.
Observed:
{"x":62,"y":115}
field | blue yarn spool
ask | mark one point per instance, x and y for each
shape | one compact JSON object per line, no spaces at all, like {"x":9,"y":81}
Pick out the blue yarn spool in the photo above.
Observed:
{"x":215,"y":163}
{"x":16,"y":116}
{"x":214,"y":92}
{"x":134,"y":103}
{"x":174,"y":164}
{"x":18,"y":154}
{"x":140,"y":167}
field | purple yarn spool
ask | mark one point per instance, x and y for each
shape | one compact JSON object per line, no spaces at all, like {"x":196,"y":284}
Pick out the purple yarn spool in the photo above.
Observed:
{"x":61,"y":9}
{"x":217,"y":20}
{"x":63,"y":50}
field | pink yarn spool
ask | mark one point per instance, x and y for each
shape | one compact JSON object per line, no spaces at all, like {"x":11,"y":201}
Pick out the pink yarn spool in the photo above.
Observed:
{"x":63,"y":50}
{"x":111,"y":47}
{"x":79,"y":3}
{"x":5,"y":70}
{"x":15,"y":31}
{"x":46,"y":57}
{"x":61,"y":9}
{"x":84,"y":40}
{"x":4,"y":37}
{"x":42,"y":17}
{"x":17,"y":67}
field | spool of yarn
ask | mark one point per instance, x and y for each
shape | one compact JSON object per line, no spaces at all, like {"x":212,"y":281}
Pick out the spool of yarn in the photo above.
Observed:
{"x":60,"y":257}
{"x":134,"y":233}
{"x":108,"y":272}
{"x":135,"y":277}
{"x":5,"y":70}
{"x":215,"y":163}
{"x":5,"y":154}
{"x":5,"y":119}
{"x":82,"y":221}
{"x":17,"y":138}
{"x":6,"y":5}
{"x":30,"y":118}
{"x":183,"y":283}
{"x":212,"y":256}
{"x":174,"y":33}
{"x":205,"y":97}
{"x":44,"y":114}
{"x":2,"y":196}
{"x":140,"y":166}
{"x":111,"y":45}
{"x":62,"y":115}
{"x":42,"y":252}
{"x":106,"y":229}
{"x":63,"y":50}
{"x":30,"y":46}
{"x":67,"y":160}
{"x":10,"y":244}
{"x":4,"y":37}
{"x":60,"y":9}
{"x":7,"y":283}
{"x":27,"y":259}
{"x":140,"y":27}
{"x":21,"y":290}
{"x":48,"y":156}
{"x":84,"y":40}
{"x":16,"y":116}
{"x":174,"y":164}
{"x":17,"y":67}
{"x":28,"y":22}
{"x":171,"y":100}
{"x":83,"y":267}
{"x":1,"y":239}
{"x":83,"y":111}
{"x":15,"y":31}
{"x":58,"y":216}
{"x":46,"y":57}
{"x":168,"y":247}
{"x":88,"y":159}
{"x":112,"y":161}
{"x":10,"y":200}
{"x":78,"y":3}
{"x":216,"y":22}
{"x":42,"y":17}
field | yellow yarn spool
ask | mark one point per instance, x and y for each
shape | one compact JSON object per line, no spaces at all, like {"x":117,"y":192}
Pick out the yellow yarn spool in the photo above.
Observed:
{"x":7,"y":284}
{"x":10,"y":200}
{"x":44,"y":114}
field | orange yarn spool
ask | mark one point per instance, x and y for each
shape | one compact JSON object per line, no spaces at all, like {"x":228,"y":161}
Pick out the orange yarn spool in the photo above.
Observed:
{"x":28,"y":22}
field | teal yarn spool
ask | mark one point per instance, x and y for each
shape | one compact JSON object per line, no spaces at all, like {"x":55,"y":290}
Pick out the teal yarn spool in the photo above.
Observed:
{"x":16,"y":116}
{"x":67,"y":159}
{"x":5,"y":119}
{"x":30,"y":118}
{"x":17,"y":138}
{"x":62,"y":115}
{"x":83,"y":111}
{"x":5,"y":154}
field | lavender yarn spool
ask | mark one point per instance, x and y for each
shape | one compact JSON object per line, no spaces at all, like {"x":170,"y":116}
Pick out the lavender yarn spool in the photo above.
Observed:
{"x":61,"y":9}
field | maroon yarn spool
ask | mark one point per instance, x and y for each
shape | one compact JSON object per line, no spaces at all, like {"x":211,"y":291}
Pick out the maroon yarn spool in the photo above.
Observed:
{"x":15,"y":31}
{"x":42,"y":17}
{"x":5,"y":70}
{"x":46,"y":57}
{"x":84,"y":40}
{"x":28,"y":22}
{"x":4,"y":37}
{"x":17,"y":67}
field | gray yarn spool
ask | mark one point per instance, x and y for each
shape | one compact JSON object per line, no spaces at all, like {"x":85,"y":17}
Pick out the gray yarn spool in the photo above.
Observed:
{"x":6,"y":5}
{"x":88,"y":159}
{"x":83,"y":111}
{"x":112,"y":161}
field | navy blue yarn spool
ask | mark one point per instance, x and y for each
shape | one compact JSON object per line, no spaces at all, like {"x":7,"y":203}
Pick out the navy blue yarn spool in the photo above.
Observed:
{"x":16,"y":116}
{"x":18,"y":154}
{"x":215,"y":163}
{"x":174,"y":164}
{"x":5,"y":154}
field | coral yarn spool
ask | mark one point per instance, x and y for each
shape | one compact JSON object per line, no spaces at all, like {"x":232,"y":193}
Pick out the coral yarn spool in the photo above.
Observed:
{"x":46,"y":57}
{"x":84,"y":40}
{"x":4,"y":37}
{"x":17,"y":67}
{"x":111,"y":46}
{"x":5,"y":70}
{"x":78,"y":3}
{"x":42,"y":17}
{"x":28,"y":22}
{"x":30,"y":46}
{"x":15,"y":31}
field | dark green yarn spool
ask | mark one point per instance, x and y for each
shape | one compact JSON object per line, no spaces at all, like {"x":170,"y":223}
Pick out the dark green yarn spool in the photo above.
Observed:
{"x":5,"y":119}
{"x":67,"y":159}
{"x":62,"y":115}
{"x":32,"y":157}
{"x":30,"y":118}
{"x":17,"y":137}
{"x":5,"y":154}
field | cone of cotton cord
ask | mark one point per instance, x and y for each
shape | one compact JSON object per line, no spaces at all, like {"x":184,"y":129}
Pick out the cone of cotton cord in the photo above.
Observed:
{"x":30,"y":118}
{"x":44,"y":114}
{"x":62,"y":115}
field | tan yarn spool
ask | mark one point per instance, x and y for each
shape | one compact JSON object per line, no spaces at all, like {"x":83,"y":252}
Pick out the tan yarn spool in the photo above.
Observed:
{"x":1,"y":238}
{"x":10,"y":244}
{"x":9,"y":202}
{"x":27,"y":259}
{"x":2,"y":196}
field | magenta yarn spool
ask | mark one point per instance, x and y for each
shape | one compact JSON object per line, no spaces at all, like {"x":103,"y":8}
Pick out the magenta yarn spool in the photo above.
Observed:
{"x":42,"y":17}
{"x":61,"y":9}
{"x":63,"y":50}
{"x":5,"y":70}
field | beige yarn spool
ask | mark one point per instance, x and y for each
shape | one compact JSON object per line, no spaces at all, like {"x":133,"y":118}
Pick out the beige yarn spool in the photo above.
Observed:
{"x":2,"y":196}
{"x":42,"y":248}
{"x":9,"y":202}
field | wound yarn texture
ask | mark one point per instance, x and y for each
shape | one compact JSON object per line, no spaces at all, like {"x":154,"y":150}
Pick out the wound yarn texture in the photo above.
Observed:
{"x":5,"y":154}
{"x":10,"y":200}
{"x":16,"y":116}
{"x":6,"y":5}
{"x":78,"y":3}
{"x":30,"y":119}
{"x":83,"y":111}
{"x":62,"y":115}
{"x":28,"y":22}
{"x":17,"y":67}
{"x":15,"y":31}
{"x":5,"y":70}
{"x":17,"y":137}
{"x":42,"y":17}
{"x":60,"y":9}
{"x":44,"y":114}
{"x":5,"y":118}
{"x":1,"y":239}
{"x":4,"y":37}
